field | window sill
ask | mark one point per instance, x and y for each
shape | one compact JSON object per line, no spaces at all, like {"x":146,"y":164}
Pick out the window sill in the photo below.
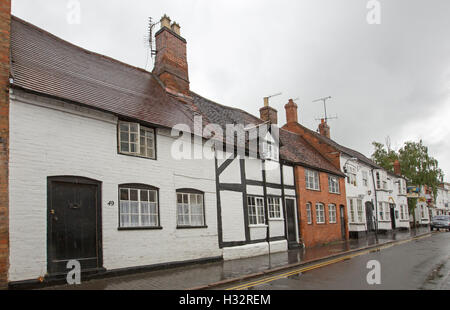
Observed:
{"x":135,"y":155}
{"x":279,"y":219}
{"x":258,"y":226}
{"x":314,"y":190}
{"x":141,"y":228}
{"x":191,"y":227}
{"x":334,"y":193}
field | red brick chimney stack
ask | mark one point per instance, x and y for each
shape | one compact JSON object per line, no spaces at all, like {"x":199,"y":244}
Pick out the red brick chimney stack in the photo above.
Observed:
{"x":268,"y":113}
{"x":171,"y":60}
{"x":397,"y":169}
{"x":5,"y":30}
{"x":324,"y":129}
{"x":291,"y":112}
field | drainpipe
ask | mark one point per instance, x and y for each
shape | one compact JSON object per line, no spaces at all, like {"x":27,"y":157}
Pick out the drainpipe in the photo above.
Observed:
{"x":376,"y":205}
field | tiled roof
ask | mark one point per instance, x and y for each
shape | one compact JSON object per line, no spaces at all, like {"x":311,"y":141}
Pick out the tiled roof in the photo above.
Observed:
{"x":343,"y":149}
{"x":293,"y":148}
{"x":48,"y":65}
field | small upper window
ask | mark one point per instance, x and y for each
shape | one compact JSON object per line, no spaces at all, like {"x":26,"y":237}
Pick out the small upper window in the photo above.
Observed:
{"x":351,"y":175}
{"x":312,"y":179}
{"x":365,"y":177}
{"x":135,"y":139}
{"x":333,"y":184}
{"x":270,"y":149}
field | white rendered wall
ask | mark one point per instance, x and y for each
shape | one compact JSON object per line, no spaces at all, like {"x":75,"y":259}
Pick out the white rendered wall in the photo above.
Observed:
{"x":63,"y":140}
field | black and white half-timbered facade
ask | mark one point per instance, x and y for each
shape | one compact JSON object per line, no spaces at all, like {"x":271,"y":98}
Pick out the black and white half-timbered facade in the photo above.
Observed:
{"x":256,"y":196}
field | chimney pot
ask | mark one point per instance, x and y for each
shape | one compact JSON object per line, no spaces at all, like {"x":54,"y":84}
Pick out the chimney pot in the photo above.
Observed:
{"x":165,"y":21}
{"x":175,"y":28}
{"x":266,"y":101}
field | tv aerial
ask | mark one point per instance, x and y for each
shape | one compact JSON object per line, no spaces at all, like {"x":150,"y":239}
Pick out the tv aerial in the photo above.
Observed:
{"x":150,"y":40}
{"x":266,"y":99}
{"x":324,"y":100}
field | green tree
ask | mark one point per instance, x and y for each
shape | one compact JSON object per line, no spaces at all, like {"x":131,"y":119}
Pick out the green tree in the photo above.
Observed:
{"x":384,"y":156}
{"x":417,"y":166}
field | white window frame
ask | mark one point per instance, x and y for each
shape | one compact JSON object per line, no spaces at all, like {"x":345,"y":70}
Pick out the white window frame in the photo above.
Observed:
{"x":381,"y":211}
{"x":270,"y":150}
{"x":190,"y":214}
{"x":256,"y":215}
{"x":332,"y":213}
{"x":333,"y":184}
{"x":137,"y":141}
{"x":352,"y":210}
{"x":351,"y":175}
{"x":365,"y":178}
{"x":274,"y":205}
{"x":309,"y":213}
{"x":359,"y":209}
{"x":312,"y":179}
{"x":387,"y":211}
{"x":140,"y":206}
{"x":320,"y":213}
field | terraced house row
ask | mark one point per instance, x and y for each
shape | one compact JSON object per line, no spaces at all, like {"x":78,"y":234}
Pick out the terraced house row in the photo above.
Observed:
{"x":92,"y":174}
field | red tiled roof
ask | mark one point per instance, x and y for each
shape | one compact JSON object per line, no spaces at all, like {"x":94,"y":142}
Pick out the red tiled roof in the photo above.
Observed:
{"x":293,"y":148}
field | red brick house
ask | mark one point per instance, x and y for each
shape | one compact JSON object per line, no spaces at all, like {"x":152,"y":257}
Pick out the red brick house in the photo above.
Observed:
{"x":320,"y":184}
{"x":321,"y":195}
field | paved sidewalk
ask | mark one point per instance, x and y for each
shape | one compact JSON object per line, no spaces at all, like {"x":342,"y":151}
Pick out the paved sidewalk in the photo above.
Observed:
{"x":201,"y":275}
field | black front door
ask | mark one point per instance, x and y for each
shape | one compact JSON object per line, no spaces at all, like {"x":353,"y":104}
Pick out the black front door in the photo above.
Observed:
{"x":369,"y":217}
{"x":343,"y":224}
{"x":392,"y":207}
{"x":74,"y":223}
{"x":290,"y":219}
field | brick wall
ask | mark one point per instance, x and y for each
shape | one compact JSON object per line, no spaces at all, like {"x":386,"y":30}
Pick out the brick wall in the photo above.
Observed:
{"x":171,"y":61}
{"x":5,"y":21}
{"x":316,"y":234}
{"x":269,"y":114}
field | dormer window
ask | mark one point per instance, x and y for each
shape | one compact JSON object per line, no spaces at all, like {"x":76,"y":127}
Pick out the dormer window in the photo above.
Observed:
{"x":270,"y":148}
{"x":136,"y":140}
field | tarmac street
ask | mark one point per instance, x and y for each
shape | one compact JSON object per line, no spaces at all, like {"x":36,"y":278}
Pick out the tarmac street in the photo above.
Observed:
{"x":423,"y":263}
{"x":340,"y":258}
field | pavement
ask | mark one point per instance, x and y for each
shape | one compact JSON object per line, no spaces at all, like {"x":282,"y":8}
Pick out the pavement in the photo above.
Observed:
{"x":210,"y":275}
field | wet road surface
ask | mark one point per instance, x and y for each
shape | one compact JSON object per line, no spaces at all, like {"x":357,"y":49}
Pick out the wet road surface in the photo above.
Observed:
{"x":417,"y":264}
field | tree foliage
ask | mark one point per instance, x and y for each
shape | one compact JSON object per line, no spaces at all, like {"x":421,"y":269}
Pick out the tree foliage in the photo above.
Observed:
{"x":416,"y":164}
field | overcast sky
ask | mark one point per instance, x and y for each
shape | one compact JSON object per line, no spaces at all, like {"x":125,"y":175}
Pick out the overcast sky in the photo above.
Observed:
{"x":390,"y":79}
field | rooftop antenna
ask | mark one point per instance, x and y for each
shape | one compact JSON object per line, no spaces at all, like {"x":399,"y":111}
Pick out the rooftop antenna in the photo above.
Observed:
{"x":150,"y":41}
{"x":324,"y":100}
{"x":266,"y":99}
